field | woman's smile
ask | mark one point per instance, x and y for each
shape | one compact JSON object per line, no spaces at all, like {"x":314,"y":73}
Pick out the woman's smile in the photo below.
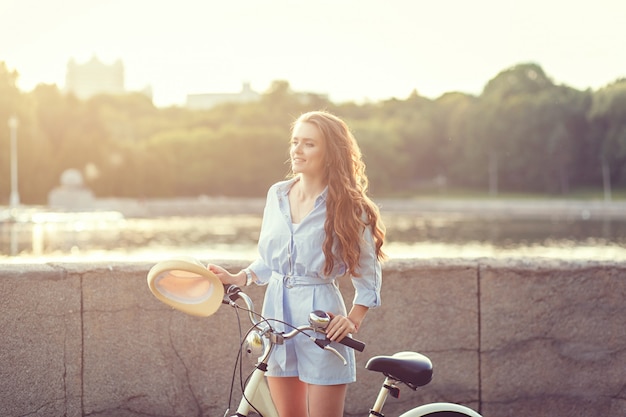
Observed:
{"x":308,"y":150}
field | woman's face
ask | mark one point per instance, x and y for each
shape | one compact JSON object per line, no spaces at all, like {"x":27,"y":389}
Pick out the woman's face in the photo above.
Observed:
{"x":308,"y":150}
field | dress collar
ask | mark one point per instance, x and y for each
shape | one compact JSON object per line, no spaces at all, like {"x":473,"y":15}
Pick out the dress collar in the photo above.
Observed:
{"x":285,"y":186}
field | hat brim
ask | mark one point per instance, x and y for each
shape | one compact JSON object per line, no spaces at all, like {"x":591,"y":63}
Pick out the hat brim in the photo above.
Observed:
{"x":186,"y":285}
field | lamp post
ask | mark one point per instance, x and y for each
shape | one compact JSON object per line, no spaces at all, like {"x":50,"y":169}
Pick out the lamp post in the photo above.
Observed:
{"x":14,"y":199}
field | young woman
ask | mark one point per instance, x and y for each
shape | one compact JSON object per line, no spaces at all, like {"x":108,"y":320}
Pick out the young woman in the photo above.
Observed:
{"x":317,"y":226}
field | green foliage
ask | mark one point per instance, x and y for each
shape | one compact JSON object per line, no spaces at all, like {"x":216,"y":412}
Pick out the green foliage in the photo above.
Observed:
{"x":532,"y":130}
{"x":607,"y":120}
{"x":523,"y":134}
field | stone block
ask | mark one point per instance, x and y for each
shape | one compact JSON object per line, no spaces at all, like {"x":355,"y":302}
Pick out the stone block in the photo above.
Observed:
{"x":430,"y":308}
{"x":40,"y":341}
{"x":142,"y":358}
{"x":551,"y":343}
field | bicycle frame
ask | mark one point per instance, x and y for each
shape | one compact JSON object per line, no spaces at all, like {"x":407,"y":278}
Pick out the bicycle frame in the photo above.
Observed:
{"x":188,"y":286}
{"x":258,"y":392}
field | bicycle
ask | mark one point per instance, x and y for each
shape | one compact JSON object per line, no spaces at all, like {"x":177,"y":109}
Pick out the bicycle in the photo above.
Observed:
{"x":188,"y":286}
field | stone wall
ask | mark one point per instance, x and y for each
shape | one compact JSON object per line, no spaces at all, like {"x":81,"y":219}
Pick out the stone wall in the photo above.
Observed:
{"x":508,"y":338}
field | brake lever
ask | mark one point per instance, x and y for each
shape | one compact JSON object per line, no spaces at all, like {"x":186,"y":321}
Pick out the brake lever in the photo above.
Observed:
{"x":231,"y":292}
{"x":325,"y":344}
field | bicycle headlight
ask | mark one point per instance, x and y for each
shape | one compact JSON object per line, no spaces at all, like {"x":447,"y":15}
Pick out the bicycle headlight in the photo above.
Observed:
{"x":254,"y":345}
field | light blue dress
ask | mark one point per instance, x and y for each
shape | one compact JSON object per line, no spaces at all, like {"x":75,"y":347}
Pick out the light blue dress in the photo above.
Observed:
{"x":291,"y":263}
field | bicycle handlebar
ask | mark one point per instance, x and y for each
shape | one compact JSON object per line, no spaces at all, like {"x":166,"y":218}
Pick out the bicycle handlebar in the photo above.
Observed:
{"x":233,"y":293}
{"x":353,"y":343}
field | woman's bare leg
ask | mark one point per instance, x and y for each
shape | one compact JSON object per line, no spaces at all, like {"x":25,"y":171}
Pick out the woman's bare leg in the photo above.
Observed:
{"x":327,"y":400}
{"x":289,"y":395}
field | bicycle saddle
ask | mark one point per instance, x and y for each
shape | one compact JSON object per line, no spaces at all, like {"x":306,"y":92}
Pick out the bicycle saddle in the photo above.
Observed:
{"x":411,"y":368}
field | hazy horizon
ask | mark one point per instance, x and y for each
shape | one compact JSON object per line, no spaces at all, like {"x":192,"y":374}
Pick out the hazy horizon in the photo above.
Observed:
{"x":350,"y":50}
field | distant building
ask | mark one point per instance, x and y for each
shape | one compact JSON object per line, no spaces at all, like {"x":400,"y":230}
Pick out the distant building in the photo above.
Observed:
{"x":93,"y":77}
{"x":210,"y":100}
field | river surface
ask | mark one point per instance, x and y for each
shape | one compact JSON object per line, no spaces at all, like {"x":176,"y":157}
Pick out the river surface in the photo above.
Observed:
{"x":410,"y":234}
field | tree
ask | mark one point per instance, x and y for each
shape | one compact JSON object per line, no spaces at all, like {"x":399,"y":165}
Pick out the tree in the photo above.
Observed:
{"x":72,"y":130}
{"x":526,"y":125}
{"x":388,"y":168}
{"x":608,"y":119}
{"x":452,"y":118}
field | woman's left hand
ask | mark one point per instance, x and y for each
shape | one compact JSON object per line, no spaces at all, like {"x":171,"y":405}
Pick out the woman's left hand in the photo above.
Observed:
{"x":339,"y":327}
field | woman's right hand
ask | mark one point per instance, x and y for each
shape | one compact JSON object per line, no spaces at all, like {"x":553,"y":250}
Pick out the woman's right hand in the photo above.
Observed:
{"x":226,"y":277}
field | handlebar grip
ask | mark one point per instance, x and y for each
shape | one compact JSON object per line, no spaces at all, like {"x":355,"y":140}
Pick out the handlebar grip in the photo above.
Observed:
{"x":230,"y":293}
{"x":353,"y":343}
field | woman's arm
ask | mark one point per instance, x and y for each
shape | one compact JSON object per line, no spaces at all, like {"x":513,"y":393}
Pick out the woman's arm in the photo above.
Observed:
{"x":357,"y":315}
{"x":226,"y":277}
{"x":341,"y":326}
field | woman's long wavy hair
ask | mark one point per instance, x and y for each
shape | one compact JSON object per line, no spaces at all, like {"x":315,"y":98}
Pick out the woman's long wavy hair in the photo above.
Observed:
{"x":349,"y":209}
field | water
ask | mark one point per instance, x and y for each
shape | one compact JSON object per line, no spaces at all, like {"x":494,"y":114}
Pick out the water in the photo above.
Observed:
{"x":409,"y":235}
{"x":464,"y":236}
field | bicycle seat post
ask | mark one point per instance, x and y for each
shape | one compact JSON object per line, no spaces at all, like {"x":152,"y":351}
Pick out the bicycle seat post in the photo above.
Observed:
{"x":376,"y":410}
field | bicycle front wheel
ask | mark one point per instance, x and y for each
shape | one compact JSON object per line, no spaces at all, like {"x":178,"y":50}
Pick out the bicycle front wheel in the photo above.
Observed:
{"x":441,"y":410}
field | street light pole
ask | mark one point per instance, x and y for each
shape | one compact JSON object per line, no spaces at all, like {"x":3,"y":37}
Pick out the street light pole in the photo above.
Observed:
{"x":14,"y":199}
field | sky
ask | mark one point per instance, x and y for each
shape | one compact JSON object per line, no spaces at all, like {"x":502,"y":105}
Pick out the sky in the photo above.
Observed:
{"x":351,"y":50}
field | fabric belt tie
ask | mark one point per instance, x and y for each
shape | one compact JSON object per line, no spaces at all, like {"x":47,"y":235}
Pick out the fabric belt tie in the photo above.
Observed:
{"x":290,"y":281}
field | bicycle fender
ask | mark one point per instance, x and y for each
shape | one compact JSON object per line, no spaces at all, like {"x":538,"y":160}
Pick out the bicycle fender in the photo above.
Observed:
{"x":429,"y":409}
